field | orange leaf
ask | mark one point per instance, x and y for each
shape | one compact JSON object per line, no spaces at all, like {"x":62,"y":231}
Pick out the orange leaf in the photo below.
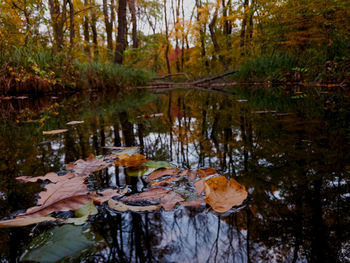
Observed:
{"x":130,"y":161}
{"x":222,"y":195}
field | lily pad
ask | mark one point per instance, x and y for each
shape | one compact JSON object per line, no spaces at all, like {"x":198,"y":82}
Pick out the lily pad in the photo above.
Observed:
{"x":67,"y":241}
{"x":157,"y":164}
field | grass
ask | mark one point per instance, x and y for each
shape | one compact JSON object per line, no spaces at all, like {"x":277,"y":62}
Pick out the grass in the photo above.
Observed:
{"x":30,"y":70}
{"x":267,"y":68}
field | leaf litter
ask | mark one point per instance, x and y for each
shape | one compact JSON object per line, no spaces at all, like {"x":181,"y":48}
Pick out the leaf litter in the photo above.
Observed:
{"x":162,"y":182}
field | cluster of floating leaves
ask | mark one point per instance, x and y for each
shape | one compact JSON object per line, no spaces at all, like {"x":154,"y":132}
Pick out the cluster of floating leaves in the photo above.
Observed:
{"x":69,"y":192}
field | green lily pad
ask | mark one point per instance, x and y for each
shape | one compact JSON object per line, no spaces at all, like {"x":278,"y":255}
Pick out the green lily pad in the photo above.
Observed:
{"x":67,"y":241}
{"x":82,"y":214}
{"x":139,"y":171}
{"x":157,"y":164}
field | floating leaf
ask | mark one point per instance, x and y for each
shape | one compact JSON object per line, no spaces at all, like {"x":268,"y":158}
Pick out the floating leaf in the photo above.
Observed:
{"x":74,"y":122}
{"x":53,"y":177}
{"x":206,"y":172}
{"x":146,"y":116}
{"x":62,"y":242}
{"x":121,"y":207}
{"x":222,"y":195}
{"x":24,"y":221}
{"x":165,"y":181}
{"x":157,"y":164}
{"x":85,"y":168}
{"x":130,"y":161}
{"x":139,"y":171}
{"x":82,"y":214}
{"x":160,"y":173}
{"x":193,"y":203}
{"x":109,"y":194}
{"x":199,"y":186}
{"x":152,"y":194}
{"x":54,"y":131}
{"x":63,"y":196}
{"x":169,"y":200}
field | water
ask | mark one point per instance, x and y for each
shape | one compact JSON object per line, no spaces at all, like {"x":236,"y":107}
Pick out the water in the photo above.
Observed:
{"x":291,"y":153}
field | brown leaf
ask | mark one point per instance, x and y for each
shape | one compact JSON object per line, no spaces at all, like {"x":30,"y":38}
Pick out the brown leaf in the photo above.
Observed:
{"x":193,"y":203}
{"x":222,"y":195}
{"x":199,"y":186}
{"x":85,"y":168}
{"x":192,"y":175}
{"x":63,"y":196}
{"x":169,"y":200}
{"x":161,"y":172}
{"x":109,"y":194}
{"x":24,"y":221}
{"x":184,"y":173}
{"x":130,"y":161}
{"x":53,"y":177}
{"x":165,"y":181}
{"x":152,"y":194}
{"x":121,"y":207}
{"x":206,"y":172}
{"x":54,"y":131}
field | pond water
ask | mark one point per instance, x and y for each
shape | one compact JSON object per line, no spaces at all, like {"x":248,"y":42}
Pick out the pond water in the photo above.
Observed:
{"x":290,"y":151}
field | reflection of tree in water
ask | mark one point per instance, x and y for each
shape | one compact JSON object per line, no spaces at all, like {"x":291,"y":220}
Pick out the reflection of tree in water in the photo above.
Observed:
{"x":293,"y":166}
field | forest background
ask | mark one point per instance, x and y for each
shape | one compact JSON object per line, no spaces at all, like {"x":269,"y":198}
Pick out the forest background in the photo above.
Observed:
{"x":47,"y":45}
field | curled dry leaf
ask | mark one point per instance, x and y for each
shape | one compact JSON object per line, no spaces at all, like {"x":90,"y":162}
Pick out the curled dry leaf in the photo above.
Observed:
{"x":74,"y":122}
{"x":54,"y":131}
{"x":121,"y":207}
{"x":160,"y":173}
{"x":63,"y":196}
{"x":109,"y":194}
{"x":24,"y":221}
{"x":169,"y":200}
{"x":222,"y":195}
{"x":53,"y":177}
{"x":152,"y":194}
{"x":85,"y":168}
{"x":130,"y":161}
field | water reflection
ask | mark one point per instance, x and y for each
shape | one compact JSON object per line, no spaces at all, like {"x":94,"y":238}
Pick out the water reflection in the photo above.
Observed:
{"x":295,"y":166}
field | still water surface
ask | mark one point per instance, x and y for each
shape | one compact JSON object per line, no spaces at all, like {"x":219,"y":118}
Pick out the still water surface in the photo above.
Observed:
{"x":290,"y":152}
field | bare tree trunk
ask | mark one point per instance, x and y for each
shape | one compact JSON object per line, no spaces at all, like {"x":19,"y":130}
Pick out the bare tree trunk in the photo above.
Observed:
{"x":227,"y":26}
{"x":93,"y":29}
{"x":243,"y":27}
{"x":135,"y":39}
{"x":202,"y":35}
{"x":58,"y":18}
{"x":86,"y":30}
{"x":213,"y":37}
{"x":71,"y":24}
{"x":167,"y":38}
{"x":108,"y":23}
{"x":121,"y":36}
